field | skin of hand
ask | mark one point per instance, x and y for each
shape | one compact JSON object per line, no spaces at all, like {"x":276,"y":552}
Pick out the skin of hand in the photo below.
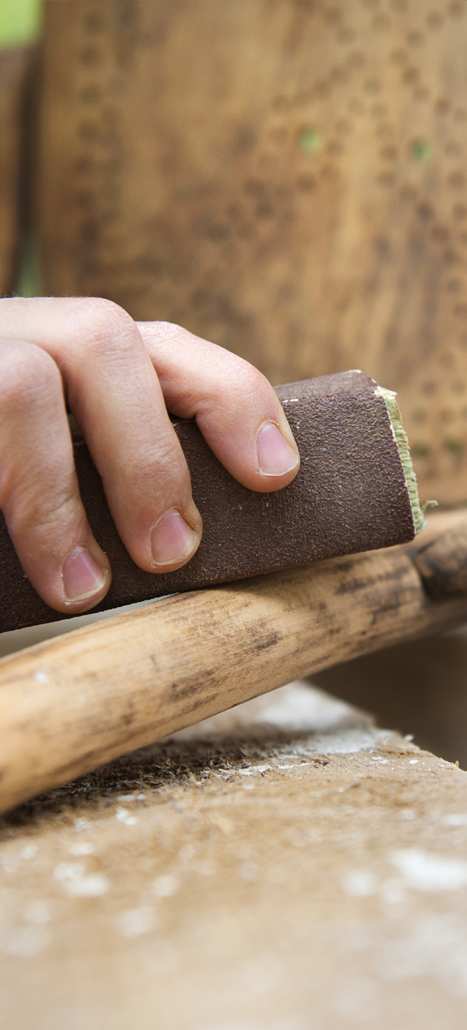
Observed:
{"x":119,"y":378}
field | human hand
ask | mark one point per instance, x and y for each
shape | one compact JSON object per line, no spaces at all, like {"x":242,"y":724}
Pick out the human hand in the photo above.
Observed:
{"x":119,"y":378}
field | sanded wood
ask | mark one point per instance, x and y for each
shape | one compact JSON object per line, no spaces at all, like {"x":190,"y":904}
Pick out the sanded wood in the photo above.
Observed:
{"x":443,"y":563}
{"x":14,"y":74}
{"x":284,"y":177}
{"x":291,"y":869}
{"x":69,"y":705}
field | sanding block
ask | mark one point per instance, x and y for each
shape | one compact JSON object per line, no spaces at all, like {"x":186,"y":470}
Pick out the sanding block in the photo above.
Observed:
{"x":355,"y":491}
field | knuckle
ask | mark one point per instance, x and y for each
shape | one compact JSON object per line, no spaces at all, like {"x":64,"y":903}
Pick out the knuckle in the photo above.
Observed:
{"x":149,"y":467}
{"x":104,"y":329}
{"x":28,"y":374}
{"x":170,"y":330}
{"x":253,"y":381}
{"x":43,"y":514}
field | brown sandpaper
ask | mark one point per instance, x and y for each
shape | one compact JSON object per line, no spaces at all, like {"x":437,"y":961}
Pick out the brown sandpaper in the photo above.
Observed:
{"x":350,"y":495}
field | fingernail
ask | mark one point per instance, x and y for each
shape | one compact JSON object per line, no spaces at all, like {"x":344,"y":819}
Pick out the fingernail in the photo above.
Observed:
{"x":275,"y":457}
{"x":172,"y":539}
{"x":81,"y":576}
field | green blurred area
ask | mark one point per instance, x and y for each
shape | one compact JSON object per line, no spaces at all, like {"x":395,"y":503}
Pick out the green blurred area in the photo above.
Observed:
{"x":20,"y":22}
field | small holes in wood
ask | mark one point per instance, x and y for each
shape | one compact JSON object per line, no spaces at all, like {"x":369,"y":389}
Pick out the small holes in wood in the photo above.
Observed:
{"x":345,"y":36}
{"x":356,"y":106}
{"x":372,"y":86}
{"x":410,"y":75}
{"x":335,"y":147}
{"x":440,"y":233}
{"x":446,"y":359}
{"x":456,"y":9}
{"x":425,"y":211}
{"x":343,"y":127}
{"x":94,"y":22}
{"x":399,"y":56}
{"x":456,"y":180}
{"x":381,"y":22}
{"x":356,"y":59}
{"x":306,"y":183}
{"x":388,"y":153}
{"x":385,"y":179}
{"x":91,"y":95}
{"x":91,"y":57}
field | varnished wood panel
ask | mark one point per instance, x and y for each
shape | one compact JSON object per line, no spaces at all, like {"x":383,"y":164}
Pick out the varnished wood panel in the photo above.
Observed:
{"x":285,"y":177}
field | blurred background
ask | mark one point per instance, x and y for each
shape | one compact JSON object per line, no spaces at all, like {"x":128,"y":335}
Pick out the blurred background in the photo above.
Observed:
{"x":284,"y":177}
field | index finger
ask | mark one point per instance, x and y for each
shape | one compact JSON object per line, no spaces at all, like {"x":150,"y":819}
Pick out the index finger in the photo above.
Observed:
{"x":236,"y":408}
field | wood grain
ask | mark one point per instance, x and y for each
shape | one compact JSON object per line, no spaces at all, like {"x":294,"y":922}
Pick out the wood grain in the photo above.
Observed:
{"x":69,"y":705}
{"x":248,"y":871}
{"x":284,"y":177}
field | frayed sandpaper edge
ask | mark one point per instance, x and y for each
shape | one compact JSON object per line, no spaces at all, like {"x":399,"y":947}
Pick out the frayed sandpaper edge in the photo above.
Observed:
{"x":402,"y":442}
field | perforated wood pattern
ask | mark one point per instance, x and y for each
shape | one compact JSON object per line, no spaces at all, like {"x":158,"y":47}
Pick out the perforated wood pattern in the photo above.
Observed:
{"x":285,"y":177}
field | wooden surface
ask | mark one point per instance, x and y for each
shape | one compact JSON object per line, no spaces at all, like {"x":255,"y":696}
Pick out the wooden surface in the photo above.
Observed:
{"x":284,"y":177}
{"x":73,"y":703}
{"x":14,"y":71}
{"x":293,"y":868}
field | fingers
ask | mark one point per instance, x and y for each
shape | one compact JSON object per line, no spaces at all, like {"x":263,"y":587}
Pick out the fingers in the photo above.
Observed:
{"x":235,"y":407}
{"x":115,"y":396}
{"x":39,"y":493}
{"x":91,"y":352}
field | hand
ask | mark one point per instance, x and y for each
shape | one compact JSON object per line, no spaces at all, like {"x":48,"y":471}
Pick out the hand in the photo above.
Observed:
{"x":119,"y":378}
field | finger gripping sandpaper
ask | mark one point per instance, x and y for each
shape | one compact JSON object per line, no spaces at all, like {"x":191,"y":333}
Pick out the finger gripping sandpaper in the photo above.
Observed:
{"x":355,"y":491}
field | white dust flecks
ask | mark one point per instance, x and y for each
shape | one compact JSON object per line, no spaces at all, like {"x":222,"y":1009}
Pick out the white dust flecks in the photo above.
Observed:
{"x":124,"y":816}
{"x":80,"y":847}
{"x":81,"y":824}
{"x":248,"y":871}
{"x":136,"y":921}
{"x":78,"y":883}
{"x":358,"y":1000}
{"x":24,"y":941}
{"x":433,"y":946}
{"x":360,"y":883}
{"x":38,"y":913}
{"x":252,"y":769}
{"x":426,"y":872}
{"x":41,"y":675}
{"x":165,"y":886}
{"x":29,"y":852}
{"x":455,"y":819}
